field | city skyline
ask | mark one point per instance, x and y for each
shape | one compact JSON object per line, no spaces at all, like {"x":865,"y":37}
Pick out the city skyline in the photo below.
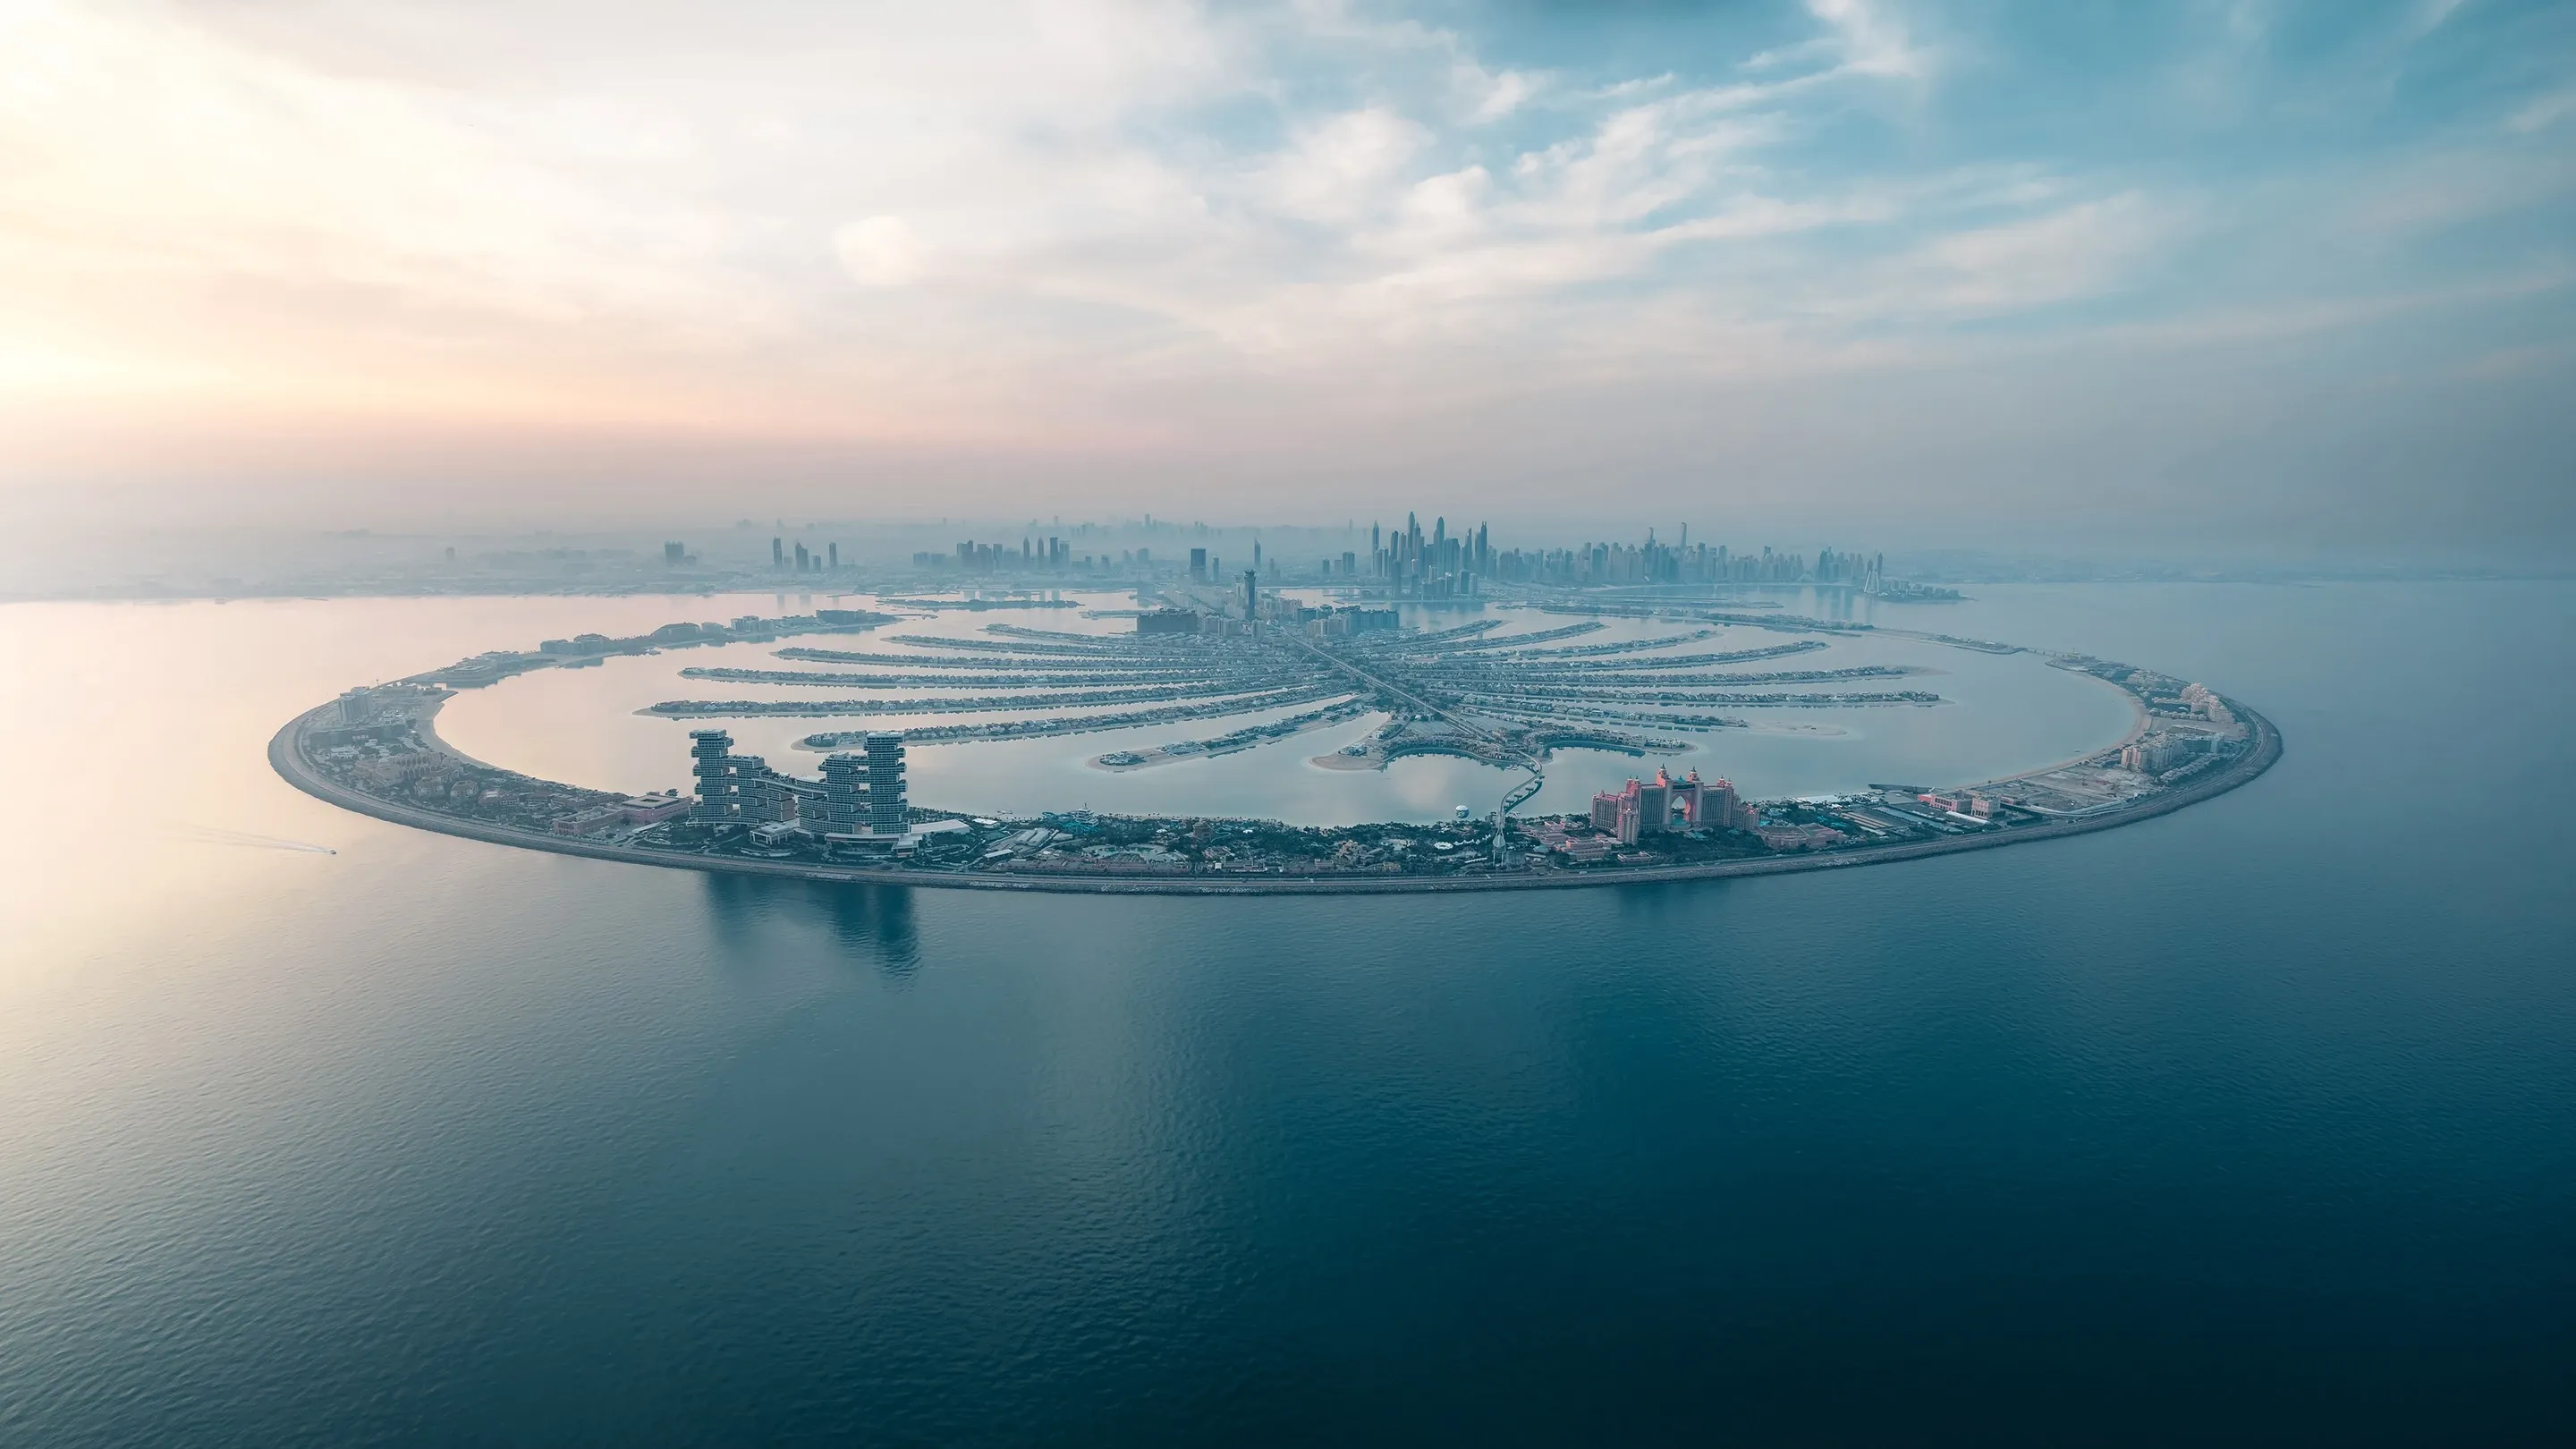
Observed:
{"x":1183,"y":722}
{"x":2289,"y":275}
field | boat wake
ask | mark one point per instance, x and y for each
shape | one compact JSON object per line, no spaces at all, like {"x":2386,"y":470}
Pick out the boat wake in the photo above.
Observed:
{"x":208,"y":835}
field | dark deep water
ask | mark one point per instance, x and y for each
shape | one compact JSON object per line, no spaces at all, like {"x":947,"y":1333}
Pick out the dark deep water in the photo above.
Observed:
{"x":2253,"y":1124}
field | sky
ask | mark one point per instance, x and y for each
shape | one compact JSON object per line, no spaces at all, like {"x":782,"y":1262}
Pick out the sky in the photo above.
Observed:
{"x":2290,"y":273}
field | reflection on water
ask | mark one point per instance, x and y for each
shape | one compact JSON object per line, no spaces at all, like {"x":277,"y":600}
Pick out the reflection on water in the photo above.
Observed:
{"x":435,"y":1140}
{"x":872,"y":923}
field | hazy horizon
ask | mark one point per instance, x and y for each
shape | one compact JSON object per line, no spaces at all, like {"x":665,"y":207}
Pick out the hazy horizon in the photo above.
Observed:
{"x":2223,"y":280}
{"x":726,"y":731}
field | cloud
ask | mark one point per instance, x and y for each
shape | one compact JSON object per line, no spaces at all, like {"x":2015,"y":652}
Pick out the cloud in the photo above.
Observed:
{"x":882,"y":251}
{"x":2429,"y":14}
{"x":1492,"y":95}
{"x":2517,"y":362}
{"x":1343,"y":167}
{"x":1869,"y":40}
{"x":2543,"y":112}
{"x":2076,"y":252}
{"x":1085,"y":219}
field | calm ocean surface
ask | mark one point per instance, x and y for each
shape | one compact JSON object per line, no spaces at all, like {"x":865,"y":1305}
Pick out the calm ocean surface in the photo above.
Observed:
{"x":2252,"y":1124}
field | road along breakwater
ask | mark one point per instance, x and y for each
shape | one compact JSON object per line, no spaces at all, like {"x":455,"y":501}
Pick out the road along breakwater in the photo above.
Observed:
{"x":391,"y":765}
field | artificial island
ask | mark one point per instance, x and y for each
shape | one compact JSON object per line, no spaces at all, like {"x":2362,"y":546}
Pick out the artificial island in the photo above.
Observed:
{"x":1695,"y":657}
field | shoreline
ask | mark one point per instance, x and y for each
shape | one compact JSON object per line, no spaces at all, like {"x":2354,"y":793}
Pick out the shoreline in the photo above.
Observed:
{"x":2139,"y":723}
{"x":286,"y":756}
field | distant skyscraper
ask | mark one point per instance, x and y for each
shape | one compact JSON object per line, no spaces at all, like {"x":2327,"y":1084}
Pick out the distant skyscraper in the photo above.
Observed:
{"x":674,"y":554}
{"x":777,"y":553}
{"x":1198,"y":566}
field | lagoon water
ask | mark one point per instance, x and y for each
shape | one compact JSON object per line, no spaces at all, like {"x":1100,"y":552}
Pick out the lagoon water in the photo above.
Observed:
{"x":2252,"y":1123}
{"x":2000,"y":714}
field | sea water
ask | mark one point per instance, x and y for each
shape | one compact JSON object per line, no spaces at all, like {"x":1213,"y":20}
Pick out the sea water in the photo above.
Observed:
{"x":2248,"y":1124}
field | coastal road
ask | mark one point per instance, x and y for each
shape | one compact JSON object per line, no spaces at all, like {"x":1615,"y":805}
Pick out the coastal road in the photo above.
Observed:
{"x":286,"y":756}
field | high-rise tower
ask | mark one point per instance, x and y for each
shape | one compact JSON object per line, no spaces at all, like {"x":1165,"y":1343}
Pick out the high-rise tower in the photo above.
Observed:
{"x":845,"y":795}
{"x":719,"y":794}
{"x":886,"y":812}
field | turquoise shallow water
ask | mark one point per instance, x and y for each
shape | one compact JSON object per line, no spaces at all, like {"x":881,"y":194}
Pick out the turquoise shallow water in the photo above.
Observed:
{"x":2246,"y":1124}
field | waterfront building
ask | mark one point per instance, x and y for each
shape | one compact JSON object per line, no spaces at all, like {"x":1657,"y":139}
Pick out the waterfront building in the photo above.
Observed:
{"x":1963,"y":806}
{"x":886,"y":807}
{"x":654,"y":808}
{"x":2160,"y":752}
{"x":1690,"y":797}
{"x":845,"y":794}
{"x":1722,"y":808}
{"x":1640,"y":808}
{"x":1619,"y":813}
{"x":595,"y":820}
{"x":763,"y":801}
{"x":1168,"y":621}
{"x":1654,"y":805}
{"x":1588,"y":850}
{"x":719,"y":791}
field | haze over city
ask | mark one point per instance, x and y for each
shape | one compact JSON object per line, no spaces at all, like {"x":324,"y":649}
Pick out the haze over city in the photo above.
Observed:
{"x":1241,"y":722}
{"x":2248,"y":277}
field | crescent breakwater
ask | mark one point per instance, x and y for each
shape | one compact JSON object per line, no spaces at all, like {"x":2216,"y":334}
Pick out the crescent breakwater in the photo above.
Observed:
{"x":395,"y":785}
